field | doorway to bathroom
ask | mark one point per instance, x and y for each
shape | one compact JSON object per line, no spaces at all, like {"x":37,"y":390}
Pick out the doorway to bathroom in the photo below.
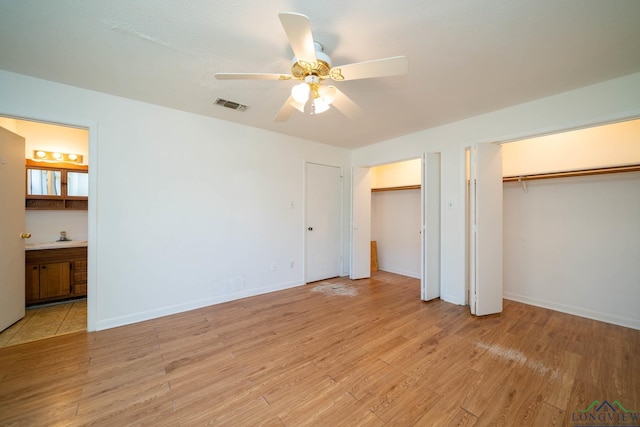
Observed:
{"x":56,"y":218}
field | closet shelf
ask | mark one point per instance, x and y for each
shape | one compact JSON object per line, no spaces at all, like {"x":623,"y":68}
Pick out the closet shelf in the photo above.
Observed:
{"x":404,"y":187}
{"x":581,"y":172}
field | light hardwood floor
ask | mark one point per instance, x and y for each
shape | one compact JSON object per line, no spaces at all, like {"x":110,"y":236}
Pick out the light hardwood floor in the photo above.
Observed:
{"x":331,"y":353}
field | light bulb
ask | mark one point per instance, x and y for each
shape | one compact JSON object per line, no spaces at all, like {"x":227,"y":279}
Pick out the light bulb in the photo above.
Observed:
{"x":41,"y":154}
{"x":73,"y":157}
{"x":57,"y":156}
{"x":319,"y":106}
{"x":300,"y":93}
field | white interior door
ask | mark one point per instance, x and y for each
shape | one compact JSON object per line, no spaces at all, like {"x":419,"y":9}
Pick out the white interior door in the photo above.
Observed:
{"x":361,"y":224}
{"x":485,"y":259}
{"x":323,"y":217}
{"x":12,"y":189}
{"x":430,"y":277}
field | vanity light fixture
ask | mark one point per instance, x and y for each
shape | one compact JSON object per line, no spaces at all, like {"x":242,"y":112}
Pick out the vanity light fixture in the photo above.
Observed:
{"x":55,"y":156}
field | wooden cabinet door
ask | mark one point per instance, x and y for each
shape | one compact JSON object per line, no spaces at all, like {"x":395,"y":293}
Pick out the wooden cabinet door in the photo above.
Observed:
{"x":55,"y":280}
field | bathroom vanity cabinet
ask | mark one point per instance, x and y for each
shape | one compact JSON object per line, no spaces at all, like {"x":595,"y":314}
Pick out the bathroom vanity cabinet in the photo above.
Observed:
{"x":55,"y":274}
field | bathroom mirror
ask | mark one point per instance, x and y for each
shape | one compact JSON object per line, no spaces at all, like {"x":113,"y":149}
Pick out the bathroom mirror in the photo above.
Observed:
{"x":42,"y":182}
{"x":77,"y":184}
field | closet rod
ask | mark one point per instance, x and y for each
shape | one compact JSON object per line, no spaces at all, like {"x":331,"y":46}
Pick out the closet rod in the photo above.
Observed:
{"x":404,"y":187}
{"x":581,"y":172}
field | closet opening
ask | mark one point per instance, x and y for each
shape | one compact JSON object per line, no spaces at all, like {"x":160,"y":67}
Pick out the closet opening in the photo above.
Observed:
{"x":396,"y":216}
{"x":571,"y":229}
{"x":405,"y":220}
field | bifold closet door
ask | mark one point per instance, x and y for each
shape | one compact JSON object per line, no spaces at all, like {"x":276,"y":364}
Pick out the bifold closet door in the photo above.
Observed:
{"x":430,"y":233}
{"x":485,"y":237}
{"x":361,"y":223}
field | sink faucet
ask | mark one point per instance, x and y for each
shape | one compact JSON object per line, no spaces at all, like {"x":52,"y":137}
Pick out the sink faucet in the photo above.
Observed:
{"x":63,"y":237}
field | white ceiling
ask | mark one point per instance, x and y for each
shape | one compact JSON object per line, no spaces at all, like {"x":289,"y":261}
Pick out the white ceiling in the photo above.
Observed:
{"x":465,"y":57}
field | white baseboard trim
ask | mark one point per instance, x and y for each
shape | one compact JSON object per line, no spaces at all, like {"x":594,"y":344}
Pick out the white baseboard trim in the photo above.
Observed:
{"x":400,"y":272}
{"x":576,"y":311}
{"x":187,"y":306}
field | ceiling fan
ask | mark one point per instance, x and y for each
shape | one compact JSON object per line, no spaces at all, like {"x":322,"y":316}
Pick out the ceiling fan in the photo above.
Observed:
{"x":312,"y":67}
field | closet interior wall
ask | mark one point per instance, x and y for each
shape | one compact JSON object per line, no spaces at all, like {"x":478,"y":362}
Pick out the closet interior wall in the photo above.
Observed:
{"x":395,"y":216}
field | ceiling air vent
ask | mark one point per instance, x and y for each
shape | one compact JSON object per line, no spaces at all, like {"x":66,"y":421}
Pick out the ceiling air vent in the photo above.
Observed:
{"x":231,"y":104}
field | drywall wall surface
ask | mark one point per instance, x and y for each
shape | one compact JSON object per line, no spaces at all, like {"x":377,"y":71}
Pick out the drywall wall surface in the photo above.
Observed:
{"x":46,"y":225}
{"x":397,"y":174}
{"x":593,"y":147}
{"x":395,"y":226}
{"x":48,"y":137}
{"x":9,"y":124}
{"x":609,"y":101}
{"x":196,"y":213}
{"x":573,"y":244}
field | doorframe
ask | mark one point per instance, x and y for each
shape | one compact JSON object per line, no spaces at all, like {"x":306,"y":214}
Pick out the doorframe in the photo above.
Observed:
{"x":304,"y":216}
{"x":92,"y":223}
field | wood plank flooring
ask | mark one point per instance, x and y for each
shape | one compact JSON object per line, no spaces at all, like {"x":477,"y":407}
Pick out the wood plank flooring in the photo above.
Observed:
{"x":331,"y":353}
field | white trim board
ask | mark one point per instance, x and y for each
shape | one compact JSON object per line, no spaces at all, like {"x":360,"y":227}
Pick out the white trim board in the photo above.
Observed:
{"x":576,"y":311}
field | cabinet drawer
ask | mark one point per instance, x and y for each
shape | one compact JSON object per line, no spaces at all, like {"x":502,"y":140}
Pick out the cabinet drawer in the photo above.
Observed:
{"x":46,"y":256}
{"x":80,"y":265}
{"x":80,"y":290}
{"x":79,"y":277}
{"x":80,"y":272}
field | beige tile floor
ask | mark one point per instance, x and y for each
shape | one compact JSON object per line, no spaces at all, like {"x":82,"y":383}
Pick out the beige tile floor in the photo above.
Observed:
{"x":48,"y":321}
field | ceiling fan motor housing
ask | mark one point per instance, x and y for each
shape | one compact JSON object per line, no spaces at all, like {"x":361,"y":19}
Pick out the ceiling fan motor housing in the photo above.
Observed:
{"x":321,"y":68}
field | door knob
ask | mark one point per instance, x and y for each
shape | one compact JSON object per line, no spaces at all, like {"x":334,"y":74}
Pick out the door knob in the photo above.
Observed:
{"x":310,"y":228}
{"x":25,"y":235}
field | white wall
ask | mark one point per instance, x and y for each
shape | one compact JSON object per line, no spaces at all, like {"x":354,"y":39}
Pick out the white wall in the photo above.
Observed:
{"x":196,"y":213}
{"x":48,"y":137}
{"x":608,"y":101}
{"x":397,"y":174}
{"x":395,"y":226}
{"x":602,"y":146}
{"x":573,"y":244}
{"x":46,"y":225}
{"x":184,"y":210}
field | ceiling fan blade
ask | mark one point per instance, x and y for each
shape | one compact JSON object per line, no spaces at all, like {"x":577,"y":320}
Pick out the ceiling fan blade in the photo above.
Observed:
{"x":252,"y":76}
{"x":298,"y":30}
{"x":346,"y":106}
{"x":393,"y":66}
{"x":285,"y":111}
{"x":297,"y":105}
{"x":287,"y":108}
